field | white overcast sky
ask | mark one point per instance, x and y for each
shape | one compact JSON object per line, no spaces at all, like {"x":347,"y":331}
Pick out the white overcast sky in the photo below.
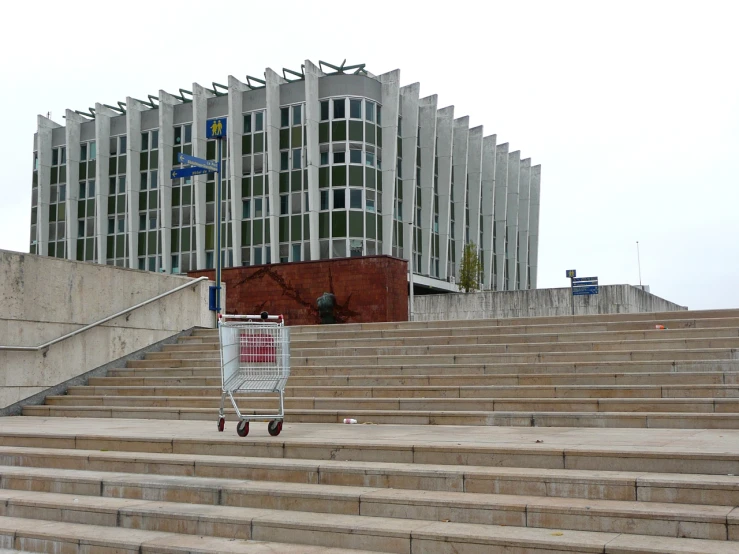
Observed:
{"x":632,"y":108}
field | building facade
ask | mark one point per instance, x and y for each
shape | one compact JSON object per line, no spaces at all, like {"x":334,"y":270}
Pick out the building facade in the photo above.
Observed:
{"x":328,"y":162}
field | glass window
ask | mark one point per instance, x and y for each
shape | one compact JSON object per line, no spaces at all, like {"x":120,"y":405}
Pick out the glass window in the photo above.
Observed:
{"x":324,"y":110}
{"x":355,"y":156}
{"x":175,"y":264}
{"x":122,"y":145}
{"x":90,"y":189}
{"x":355,"y":199}
{"x":257,"y":207}
{"x":113,"y":146}
{"x":284,"y":160}
{"x":121,"y":184}
{"x":83,"y":186}
{"x":142,"y":222}
{"x":370,"y":159}
{"x":121,"y":224}
{"x":209,"y":260}
{"x":188,"y":134}
{"x":55,"y":156}
{"x":339,"y":199}
{"x":284,"y":207}
{"x":296,"y":158}
{"x":83,"y":152}
{"x":369,"y":108}
{"x":295,"y":202}
{"x":93,"y":151}
{"x":370,"y":201}
{"x":297,"y":115}
{"x":246,"y":209}
{"x":178,"y":135}
{"x":247,"y":123}
{"x":62,"y":193}
{"x":296,"y":252}
{"x":144,"y":184}
{"x":153,"y":179}
{"x":340,"y":158}
{"x":324,"y":158}
{"x":154,"y":139}
{"x":355,"y":109}
{"x":153,"y":222}
{"x":284,"y":117}
{"x":324,"y":200}
{"x":258,"y":121}
{"x":80,"y":228}
{"x":339,"y":108}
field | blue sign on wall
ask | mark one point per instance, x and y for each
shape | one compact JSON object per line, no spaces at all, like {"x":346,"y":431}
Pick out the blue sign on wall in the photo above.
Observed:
{"x":215,"y":128}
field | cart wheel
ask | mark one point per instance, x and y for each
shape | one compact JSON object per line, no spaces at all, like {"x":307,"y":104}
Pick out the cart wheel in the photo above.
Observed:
{"x":274,"y":427}
{"x":221,"y":424}
{"x":242,"y":429}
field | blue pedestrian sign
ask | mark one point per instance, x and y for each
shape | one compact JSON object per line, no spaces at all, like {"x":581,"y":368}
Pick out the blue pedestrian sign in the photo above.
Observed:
{"x":210,"y":165}
{"x":584,"y":291}
{"x":571,"y":273}
{"x":188,"y":172}
{"x":215,"y":128}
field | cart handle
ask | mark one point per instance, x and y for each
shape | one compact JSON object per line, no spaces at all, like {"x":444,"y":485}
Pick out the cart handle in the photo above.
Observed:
{"x":262,"y":317}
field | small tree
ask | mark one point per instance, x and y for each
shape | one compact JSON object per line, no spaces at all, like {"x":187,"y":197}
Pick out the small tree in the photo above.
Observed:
{"x":470,"y":269}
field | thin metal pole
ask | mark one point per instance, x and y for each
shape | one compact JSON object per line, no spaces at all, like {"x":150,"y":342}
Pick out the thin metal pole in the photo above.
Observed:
{"x":638,"y":261}
{"x":410,"y":267}
{"x":218,"y":231}
{"x":572,"y":294}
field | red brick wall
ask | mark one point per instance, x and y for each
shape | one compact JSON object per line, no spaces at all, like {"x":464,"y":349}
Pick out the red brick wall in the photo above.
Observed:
{"x":367,"y":289}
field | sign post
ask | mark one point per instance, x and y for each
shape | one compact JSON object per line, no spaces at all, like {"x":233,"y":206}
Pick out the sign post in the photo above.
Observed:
{"x":581,"y":286}
{"x":216,"y":129}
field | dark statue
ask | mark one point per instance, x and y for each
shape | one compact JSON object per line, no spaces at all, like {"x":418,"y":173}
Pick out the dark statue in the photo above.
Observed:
{"x":326,"y":304}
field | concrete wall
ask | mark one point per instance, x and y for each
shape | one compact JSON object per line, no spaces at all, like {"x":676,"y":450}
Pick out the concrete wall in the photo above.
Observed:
{"x":44,"y":298}
{"x":368,"y":289}
{"x":613,"y":299}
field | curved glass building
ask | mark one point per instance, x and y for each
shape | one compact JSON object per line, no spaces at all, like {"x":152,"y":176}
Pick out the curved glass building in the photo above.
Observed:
{"x":325,"y":162}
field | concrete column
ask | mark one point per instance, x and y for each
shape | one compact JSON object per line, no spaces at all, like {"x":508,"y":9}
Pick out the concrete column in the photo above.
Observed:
{"x":524,"y":183}
{"x":500,"y":195}
{"x":427,"y":121}
{"x":514,"y":169}
{"x":460,"y":139}
{"x":409,"y":137}
{"x":534,"y":226}
{"x":474,"y":178}
{"x":486,"y":208}
{"x":312,"y":151}
{"x":45,"y":127}
{"x":390,"y":109}
{"x":102,"y":141}
{"x":272,"y":126}
{"x":164,"y":169}
{"x":444,"y":129}
{"x":72,"y":131}
{"x":133,"y":181}
{"x":200,"y":97}
{"x":235,"y":131}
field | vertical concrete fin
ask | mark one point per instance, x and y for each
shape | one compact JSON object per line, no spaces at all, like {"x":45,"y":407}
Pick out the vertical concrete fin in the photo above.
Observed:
{"x":133,"y":185}
{"x":200,"y":97}
{"x":409,"y":140}
{"x":487,"y":208}
{"x":444,"y":131}
{"x":164,"y":169}
{"x":72,"y":132}
{"x":524,"y":181}
{"x":474,"y":178}
{"x":511,"y":237}
{"x":500,"y":203}
{"x":312,"y":151}
{"x":427,"y":142}
{"x":43,"y":146}
{"x":534,"y":199}
{"x":272,"y":125}
{"x":461,"y":139}
{"x":236,"y":169}
{"x":390,"y":100}
{"x":102,"y":140}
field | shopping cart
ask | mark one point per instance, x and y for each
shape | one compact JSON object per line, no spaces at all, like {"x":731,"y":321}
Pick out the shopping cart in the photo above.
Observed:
{"x":255,"y":358}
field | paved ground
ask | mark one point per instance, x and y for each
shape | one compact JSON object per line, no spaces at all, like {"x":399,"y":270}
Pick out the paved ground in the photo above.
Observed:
{"x":639,"y":440}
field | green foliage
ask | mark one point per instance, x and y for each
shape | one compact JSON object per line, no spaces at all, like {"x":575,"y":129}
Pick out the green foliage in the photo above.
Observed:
{"x":470,"y":269}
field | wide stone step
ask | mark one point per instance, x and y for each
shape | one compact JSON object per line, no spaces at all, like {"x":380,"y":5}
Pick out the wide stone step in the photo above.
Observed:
{"x":718,"y":490}
{"x":472,"y":403}
{"x":36,"y":535}
{"x":645,"y":518}
{"x":440,"y":391}
{"x":637,"y":450}
{"x":522,"y":418}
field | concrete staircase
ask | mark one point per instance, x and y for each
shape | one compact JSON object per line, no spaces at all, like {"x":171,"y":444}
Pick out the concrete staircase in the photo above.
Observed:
{"x":587,"y":434}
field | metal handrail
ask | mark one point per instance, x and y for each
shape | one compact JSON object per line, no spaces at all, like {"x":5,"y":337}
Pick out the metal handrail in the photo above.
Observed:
{"x":46,"y":345}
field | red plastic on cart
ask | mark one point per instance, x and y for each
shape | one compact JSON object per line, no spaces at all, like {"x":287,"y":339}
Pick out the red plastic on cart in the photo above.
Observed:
{"x":258,"y":348}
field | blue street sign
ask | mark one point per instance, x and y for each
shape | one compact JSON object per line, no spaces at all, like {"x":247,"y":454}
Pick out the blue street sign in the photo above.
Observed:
{"x":188,"y":172}
{"x":210,"y":165}
{"x":571,"y":273}
{"x":215,"y":128}
{"x":585,"y":280}
{"x":582,"y":291}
